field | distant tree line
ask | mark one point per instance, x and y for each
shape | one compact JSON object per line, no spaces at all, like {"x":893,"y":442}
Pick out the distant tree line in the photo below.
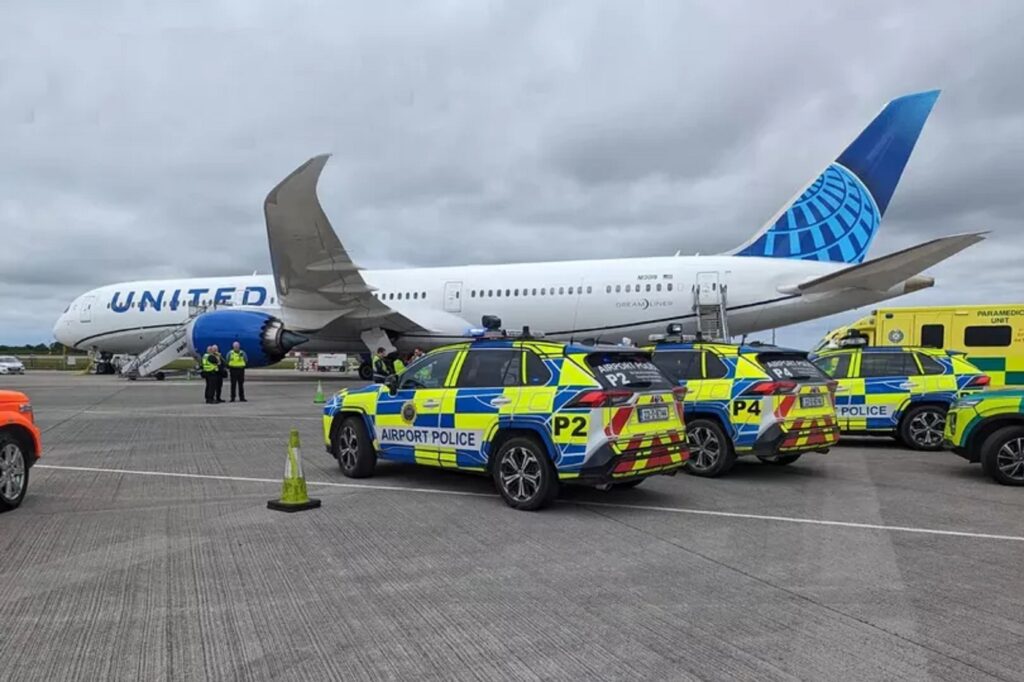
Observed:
{"x":54,"y":348}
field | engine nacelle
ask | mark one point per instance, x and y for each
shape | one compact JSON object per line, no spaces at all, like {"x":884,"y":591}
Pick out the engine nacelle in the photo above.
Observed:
{"x":263,"y":337}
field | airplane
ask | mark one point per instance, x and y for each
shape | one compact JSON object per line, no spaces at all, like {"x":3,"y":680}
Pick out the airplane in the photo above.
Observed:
{"x":806,"y":262}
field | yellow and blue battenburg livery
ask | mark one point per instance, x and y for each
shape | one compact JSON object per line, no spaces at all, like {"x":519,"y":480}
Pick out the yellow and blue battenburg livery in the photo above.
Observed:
{"x":898,"y":390}
{"x":836,"y":217}
{"x":748,"y":399}
{"x":530,"y":412}
{"x":988,"y":427}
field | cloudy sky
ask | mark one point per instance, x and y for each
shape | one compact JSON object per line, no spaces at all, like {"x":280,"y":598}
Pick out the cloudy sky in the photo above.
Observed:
{"x":138,"y":140}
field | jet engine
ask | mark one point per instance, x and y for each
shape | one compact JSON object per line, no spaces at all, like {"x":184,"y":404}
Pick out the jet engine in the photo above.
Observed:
{"x":263,"y":337}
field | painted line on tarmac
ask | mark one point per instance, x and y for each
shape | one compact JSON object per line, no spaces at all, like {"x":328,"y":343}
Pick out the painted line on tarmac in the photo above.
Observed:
{"x":163,"y":415}
{"x":249,"y":479}
{"x":579,"y":503}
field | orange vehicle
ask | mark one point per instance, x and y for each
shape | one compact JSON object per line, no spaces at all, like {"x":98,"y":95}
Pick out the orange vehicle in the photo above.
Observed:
{"x":20,"y":447}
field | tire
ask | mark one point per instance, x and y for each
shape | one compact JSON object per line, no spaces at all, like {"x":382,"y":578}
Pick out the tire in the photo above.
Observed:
{"x":1002,"y":455}
{"x":13,"y":472}
{"x":524,"y":475}
{"x":160,"y":376}
{"x":781,"y":460}
{"x":921,"y":427}
{"x":366,"y":371}
{"x":711,"y":451}
{"x":353,"y":448}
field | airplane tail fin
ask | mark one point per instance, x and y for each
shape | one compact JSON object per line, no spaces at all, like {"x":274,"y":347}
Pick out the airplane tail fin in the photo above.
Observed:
{"x":836,"y":216}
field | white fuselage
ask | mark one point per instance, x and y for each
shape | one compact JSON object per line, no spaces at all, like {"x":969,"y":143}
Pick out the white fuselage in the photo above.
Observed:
{"x":582,"y":300}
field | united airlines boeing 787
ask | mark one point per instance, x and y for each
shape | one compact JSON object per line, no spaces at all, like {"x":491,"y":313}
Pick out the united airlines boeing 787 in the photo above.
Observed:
{"x":806,"y":262}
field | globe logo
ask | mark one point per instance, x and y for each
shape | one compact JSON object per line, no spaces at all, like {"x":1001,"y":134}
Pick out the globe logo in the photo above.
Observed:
{"x":834,"y":219}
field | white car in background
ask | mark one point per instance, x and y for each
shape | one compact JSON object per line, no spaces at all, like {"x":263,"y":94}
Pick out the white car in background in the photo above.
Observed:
{"x":11,"y":365}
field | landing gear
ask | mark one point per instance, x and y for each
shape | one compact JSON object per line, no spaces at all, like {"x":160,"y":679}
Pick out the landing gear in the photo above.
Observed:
{"x":366,"y":371}
{"x":105,"y":364}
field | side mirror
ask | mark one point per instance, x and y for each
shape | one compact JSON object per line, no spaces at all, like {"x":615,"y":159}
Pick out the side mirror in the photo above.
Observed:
{"x":391,"y":382}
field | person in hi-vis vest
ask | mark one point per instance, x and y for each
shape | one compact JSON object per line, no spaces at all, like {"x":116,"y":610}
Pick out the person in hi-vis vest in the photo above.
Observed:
{"x":237,"y":360}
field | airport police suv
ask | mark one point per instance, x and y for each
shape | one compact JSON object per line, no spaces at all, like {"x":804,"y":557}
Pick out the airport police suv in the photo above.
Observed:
{"x":531,"y":413}
{"x":988,"y":427}
{"x":747,"y":399}
{"x":896,"y":390}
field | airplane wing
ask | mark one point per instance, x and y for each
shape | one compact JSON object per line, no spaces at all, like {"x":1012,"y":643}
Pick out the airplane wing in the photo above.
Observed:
{"x":315,"y":277}
{"x":881,"y":274}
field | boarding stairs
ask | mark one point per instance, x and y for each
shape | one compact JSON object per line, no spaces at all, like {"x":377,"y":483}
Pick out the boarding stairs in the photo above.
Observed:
{"x":168,"y":349}
{"x":709,"y":306}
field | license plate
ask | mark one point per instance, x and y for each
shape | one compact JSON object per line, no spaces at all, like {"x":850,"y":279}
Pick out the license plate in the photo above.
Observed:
{"x":812,"y":401}
{"x":658,"y":413}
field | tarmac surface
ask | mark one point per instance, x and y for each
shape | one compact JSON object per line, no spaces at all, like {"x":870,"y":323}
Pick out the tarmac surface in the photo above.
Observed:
{"x":145,"y":550}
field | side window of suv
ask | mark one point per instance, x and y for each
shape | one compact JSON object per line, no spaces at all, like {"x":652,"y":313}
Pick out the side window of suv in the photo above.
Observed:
{"x":430,"y":372}
{"x":714,"y":368}
{"x":537,"y":373}
{"x":899,"y":364}
{"x":835,"y":366}
{"x":930,"y":365}
{"x":679,"y":365}
{"x":490,"y":368}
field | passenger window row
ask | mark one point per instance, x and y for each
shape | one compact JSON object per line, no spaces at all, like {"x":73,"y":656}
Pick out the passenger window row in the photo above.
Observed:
{"x":401,"y":295}
{"x":638,"y":288}
{"x":535,"y":291}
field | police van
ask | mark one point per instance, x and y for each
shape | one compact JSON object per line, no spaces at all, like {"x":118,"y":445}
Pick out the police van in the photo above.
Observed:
{"x":747,"y":399}
{"x":530,"y":413}
{"x":991,"y":336}
{"x":900,"y":391}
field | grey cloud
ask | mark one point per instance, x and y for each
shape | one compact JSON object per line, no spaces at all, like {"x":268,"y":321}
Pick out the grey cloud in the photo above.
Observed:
{"x":139,"y":141}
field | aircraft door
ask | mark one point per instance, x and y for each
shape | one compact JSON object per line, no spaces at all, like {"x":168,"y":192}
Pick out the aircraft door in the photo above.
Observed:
{"x":85,"y":314}
{"x":708,"y":288}
{"x":453,"y":297}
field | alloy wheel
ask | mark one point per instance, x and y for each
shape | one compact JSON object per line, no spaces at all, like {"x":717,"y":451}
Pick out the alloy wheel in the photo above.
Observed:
{"x":1010,"y":459}
{"x":519,"y":473}
{"x":926,"y":428}
{"x":348,"y":447}
{"x":12,"y":472}
{"x":705,"y":448}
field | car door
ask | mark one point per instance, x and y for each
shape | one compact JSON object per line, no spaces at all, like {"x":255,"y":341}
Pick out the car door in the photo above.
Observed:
{"x":891,"y":378}
{"x":849,"y":390}
{"x":407,"y":420}
{"x":486,"y":390}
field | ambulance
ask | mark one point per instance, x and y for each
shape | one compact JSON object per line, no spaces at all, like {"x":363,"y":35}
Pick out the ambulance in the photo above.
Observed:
{"x":990,"y":336}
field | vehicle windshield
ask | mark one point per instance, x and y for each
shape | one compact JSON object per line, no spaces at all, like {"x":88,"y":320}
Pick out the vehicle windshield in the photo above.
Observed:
{"x":627,"y":369}
{"x":8,"y":358}
{"x":790,"y":366}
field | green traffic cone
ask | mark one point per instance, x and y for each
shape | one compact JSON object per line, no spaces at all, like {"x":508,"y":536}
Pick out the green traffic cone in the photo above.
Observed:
{"x":319,"y":397}
{"x":294,"y":496}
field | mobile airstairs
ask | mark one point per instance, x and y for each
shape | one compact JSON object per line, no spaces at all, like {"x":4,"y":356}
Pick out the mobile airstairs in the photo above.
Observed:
{"x":172,"y":346}
{"x":709,"y":306}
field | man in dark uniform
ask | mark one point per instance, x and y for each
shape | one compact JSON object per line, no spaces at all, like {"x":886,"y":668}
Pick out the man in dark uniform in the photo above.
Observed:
{"x":237,"y":360}
{"x":222,"y":371}
{"x":209,"y":374}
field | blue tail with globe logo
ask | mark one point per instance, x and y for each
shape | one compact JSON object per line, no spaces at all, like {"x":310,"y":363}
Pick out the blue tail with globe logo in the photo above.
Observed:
{"x":836,"y":217}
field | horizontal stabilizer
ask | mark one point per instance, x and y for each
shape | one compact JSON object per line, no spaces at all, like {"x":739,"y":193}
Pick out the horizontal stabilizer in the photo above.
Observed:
{"x":881,"y":274}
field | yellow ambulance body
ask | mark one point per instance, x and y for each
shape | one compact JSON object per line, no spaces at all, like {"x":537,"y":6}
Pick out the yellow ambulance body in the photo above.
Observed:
{"x":991,"y":336}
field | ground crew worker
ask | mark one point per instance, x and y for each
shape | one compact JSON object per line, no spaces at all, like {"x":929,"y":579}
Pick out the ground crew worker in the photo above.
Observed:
{"x":237,"y":360}
{"x":380,"y":366}
{"x":397,"y":366}
{"x":209,"y":374}
{"x":222,"y":371}
{"x":417,"y":353}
